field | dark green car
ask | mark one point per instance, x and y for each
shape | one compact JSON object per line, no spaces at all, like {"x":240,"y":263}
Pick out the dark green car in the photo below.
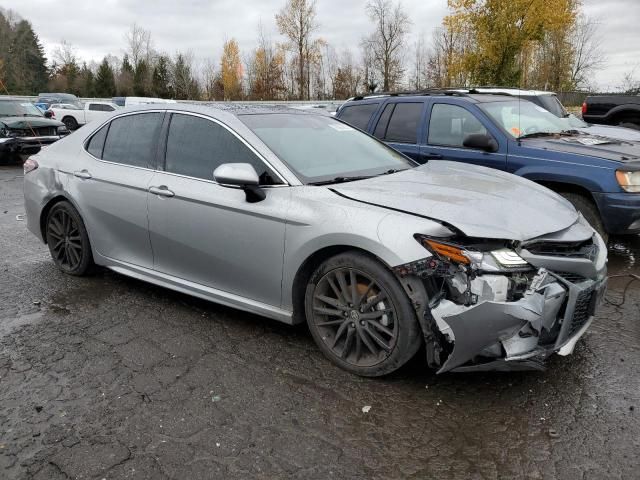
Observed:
{"x":24,"y":129}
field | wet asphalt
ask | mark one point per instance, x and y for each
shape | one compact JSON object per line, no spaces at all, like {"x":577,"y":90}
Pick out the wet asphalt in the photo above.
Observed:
{"x":108,"y":377}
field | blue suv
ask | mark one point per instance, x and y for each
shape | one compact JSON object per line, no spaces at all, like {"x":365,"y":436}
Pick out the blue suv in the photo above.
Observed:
{"x":600,"y":176}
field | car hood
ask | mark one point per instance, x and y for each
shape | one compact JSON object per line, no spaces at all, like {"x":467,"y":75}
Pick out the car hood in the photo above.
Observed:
{"x":590,"y":145}
{"x":478,"y":201}
{"x":619,"y":133}
{"x":23,"y":123}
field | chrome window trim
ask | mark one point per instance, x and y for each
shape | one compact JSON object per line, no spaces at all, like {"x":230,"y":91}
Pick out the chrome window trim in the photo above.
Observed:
{"x":194,"y":114}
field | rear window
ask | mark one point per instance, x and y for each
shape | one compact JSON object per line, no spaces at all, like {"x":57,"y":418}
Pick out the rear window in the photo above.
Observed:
{"x":358,"y":115}
{"x":132,"y":140}
{"x":404,"y":122}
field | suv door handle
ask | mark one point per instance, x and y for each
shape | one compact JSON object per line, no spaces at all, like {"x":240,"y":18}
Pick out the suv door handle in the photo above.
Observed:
{"x":431,"y":156}
{"x":84,"y":174}
{"x":162,"y":191}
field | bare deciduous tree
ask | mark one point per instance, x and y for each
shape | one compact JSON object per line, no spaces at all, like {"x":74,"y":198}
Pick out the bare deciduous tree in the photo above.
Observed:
{"x":297,"y":21}
{"x":139,"y":45}
{"x":388,"y":40}
{"x":587,"y":51}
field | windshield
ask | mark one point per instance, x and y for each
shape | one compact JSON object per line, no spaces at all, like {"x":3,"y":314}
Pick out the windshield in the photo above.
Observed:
{"x":551,"y":103}
{"x":319,"y":148}
{"x":18,"y":109}
{"x":522,"y":117}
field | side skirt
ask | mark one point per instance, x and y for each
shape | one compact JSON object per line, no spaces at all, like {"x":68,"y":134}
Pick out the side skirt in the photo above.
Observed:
{"x":195,"y":289}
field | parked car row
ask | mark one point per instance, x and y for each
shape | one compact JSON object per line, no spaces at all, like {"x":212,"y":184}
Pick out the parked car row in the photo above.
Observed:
{"x":299,"y":216}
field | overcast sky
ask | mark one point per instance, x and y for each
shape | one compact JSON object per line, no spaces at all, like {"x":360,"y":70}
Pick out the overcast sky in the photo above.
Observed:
{"x":96,"y":28}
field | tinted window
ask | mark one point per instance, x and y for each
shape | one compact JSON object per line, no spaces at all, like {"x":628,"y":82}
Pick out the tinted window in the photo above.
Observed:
{"x":450,"y":124}
{"x":95,"y":107}
{"x":133,"y":139}
{"x":96,"y":143}
{"x":196,"y":147}
{"x":381,"y":128}
{"x":358,"y":115}
{"x":403,"y":125}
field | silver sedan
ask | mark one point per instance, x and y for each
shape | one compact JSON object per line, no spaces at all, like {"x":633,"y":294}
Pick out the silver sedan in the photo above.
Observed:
{"x":299,"y":217}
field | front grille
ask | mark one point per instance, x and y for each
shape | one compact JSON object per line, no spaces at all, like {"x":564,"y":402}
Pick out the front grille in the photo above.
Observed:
{"x":34,"y":132}
{"x":571,"y":277}
{"x":585,"y":305}
{"x":586,"y":249}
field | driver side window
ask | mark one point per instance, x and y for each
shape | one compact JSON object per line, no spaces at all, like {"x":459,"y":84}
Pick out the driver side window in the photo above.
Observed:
{"x":450,"y":124}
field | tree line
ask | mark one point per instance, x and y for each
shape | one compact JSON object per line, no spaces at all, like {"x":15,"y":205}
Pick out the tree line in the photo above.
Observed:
{"x":526,"y":43}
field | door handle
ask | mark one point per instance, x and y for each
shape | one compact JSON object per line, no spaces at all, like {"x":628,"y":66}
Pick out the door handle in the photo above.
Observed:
{"x":432,"y":156}
{"x":162,"y":191}
{"x":84,"y":174}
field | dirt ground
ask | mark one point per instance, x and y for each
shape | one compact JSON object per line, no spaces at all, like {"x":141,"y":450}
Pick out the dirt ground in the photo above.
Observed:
{"x":108,"y":377}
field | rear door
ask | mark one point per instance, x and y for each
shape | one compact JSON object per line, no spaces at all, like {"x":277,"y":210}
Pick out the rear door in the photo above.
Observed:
{"x":207,"y":233}
{"x":400,"y":125}
{"x":110,"y":182}
{"x":447,"y":127}
{"x":359,"y":114}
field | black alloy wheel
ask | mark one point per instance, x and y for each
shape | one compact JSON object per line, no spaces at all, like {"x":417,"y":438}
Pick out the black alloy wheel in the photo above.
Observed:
{"x":360,"y":316}
{"x":68,"y":240}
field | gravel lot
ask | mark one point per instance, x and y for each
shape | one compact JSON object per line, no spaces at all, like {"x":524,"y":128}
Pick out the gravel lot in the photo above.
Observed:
{"x":108,"y":377}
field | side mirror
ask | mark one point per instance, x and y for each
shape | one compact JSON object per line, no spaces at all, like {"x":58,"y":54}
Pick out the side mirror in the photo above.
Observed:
{"x":241,"y":175}
{"x":480,"y":141}
{"x":48,"y":114}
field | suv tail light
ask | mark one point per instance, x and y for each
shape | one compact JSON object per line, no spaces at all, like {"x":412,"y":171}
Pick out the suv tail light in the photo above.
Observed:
{"x":584,"y":108}
{"x":29,"y":165}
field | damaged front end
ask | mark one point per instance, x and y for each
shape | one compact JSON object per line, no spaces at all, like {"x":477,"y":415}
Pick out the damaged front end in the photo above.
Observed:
{"x":499,"y":305}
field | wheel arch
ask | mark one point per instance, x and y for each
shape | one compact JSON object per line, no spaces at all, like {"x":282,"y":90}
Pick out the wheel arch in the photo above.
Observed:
{"x":621,"y":113}
{"x":44,"y":213}
{"x":309,"y":265}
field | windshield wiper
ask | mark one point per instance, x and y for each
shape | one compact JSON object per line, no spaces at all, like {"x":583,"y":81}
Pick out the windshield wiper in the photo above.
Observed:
{"x":341,"y":180}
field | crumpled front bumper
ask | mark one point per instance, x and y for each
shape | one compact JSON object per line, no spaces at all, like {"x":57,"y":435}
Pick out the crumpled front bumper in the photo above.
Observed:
{"x":26,"y":145}
{"x":500,"y":335}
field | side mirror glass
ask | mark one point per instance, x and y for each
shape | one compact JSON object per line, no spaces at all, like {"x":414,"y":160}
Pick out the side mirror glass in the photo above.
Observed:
{"x":241,"y":175}
{"x":480,"y":141}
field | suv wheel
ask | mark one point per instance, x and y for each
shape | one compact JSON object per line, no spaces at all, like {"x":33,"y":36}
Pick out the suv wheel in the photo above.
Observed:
{"x":70,"y":123}
{"x":589,"y":211}
{"x":360,"y":316}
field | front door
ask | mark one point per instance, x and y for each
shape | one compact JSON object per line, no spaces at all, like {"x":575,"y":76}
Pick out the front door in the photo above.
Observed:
{"x":207,"y":233}
{"x":448,"y":126}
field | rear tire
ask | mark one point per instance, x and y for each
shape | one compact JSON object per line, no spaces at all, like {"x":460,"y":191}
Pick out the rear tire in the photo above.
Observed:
{"x":70,"y":123}
{"x":360,"y":316}
{"x":589,"y":211}
{"x":68,"y":240}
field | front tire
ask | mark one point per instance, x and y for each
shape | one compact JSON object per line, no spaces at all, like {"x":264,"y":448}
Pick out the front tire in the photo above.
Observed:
{"x":68,"y":240}
{"x":360,"y":317}
{"x":589,"y":211}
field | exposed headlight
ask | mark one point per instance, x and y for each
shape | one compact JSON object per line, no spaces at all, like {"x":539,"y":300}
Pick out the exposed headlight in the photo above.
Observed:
{"x":629,"y":181}
{"x":62,"y":130}
{"x":508,"y":258}
{"x":494,"y":260}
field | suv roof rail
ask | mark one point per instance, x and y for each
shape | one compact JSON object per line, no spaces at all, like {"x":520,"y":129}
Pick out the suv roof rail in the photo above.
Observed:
{"x":430,"y":91}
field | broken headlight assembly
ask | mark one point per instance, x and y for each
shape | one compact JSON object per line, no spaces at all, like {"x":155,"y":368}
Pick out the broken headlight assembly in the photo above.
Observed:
{"x":448,"y":258}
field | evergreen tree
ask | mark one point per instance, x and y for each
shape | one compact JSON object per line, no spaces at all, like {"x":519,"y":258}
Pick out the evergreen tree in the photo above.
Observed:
{"x":161,"y":84}
{"x":27,"y":74}
{"x":6,"y":33}
{"x":105,"y":84}
{"x":140,"y":77}
{"x":86,"y":84}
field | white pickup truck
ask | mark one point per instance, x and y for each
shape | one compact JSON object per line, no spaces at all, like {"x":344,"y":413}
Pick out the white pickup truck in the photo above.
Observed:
{"x":74,"y":117}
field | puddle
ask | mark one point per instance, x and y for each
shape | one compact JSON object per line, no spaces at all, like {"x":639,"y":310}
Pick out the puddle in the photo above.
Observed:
{"x":8,"y":325}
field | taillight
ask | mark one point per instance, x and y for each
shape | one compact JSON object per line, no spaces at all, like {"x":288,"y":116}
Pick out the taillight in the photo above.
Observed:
{"x":29,"y":165}
{"x":584,"y":107}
